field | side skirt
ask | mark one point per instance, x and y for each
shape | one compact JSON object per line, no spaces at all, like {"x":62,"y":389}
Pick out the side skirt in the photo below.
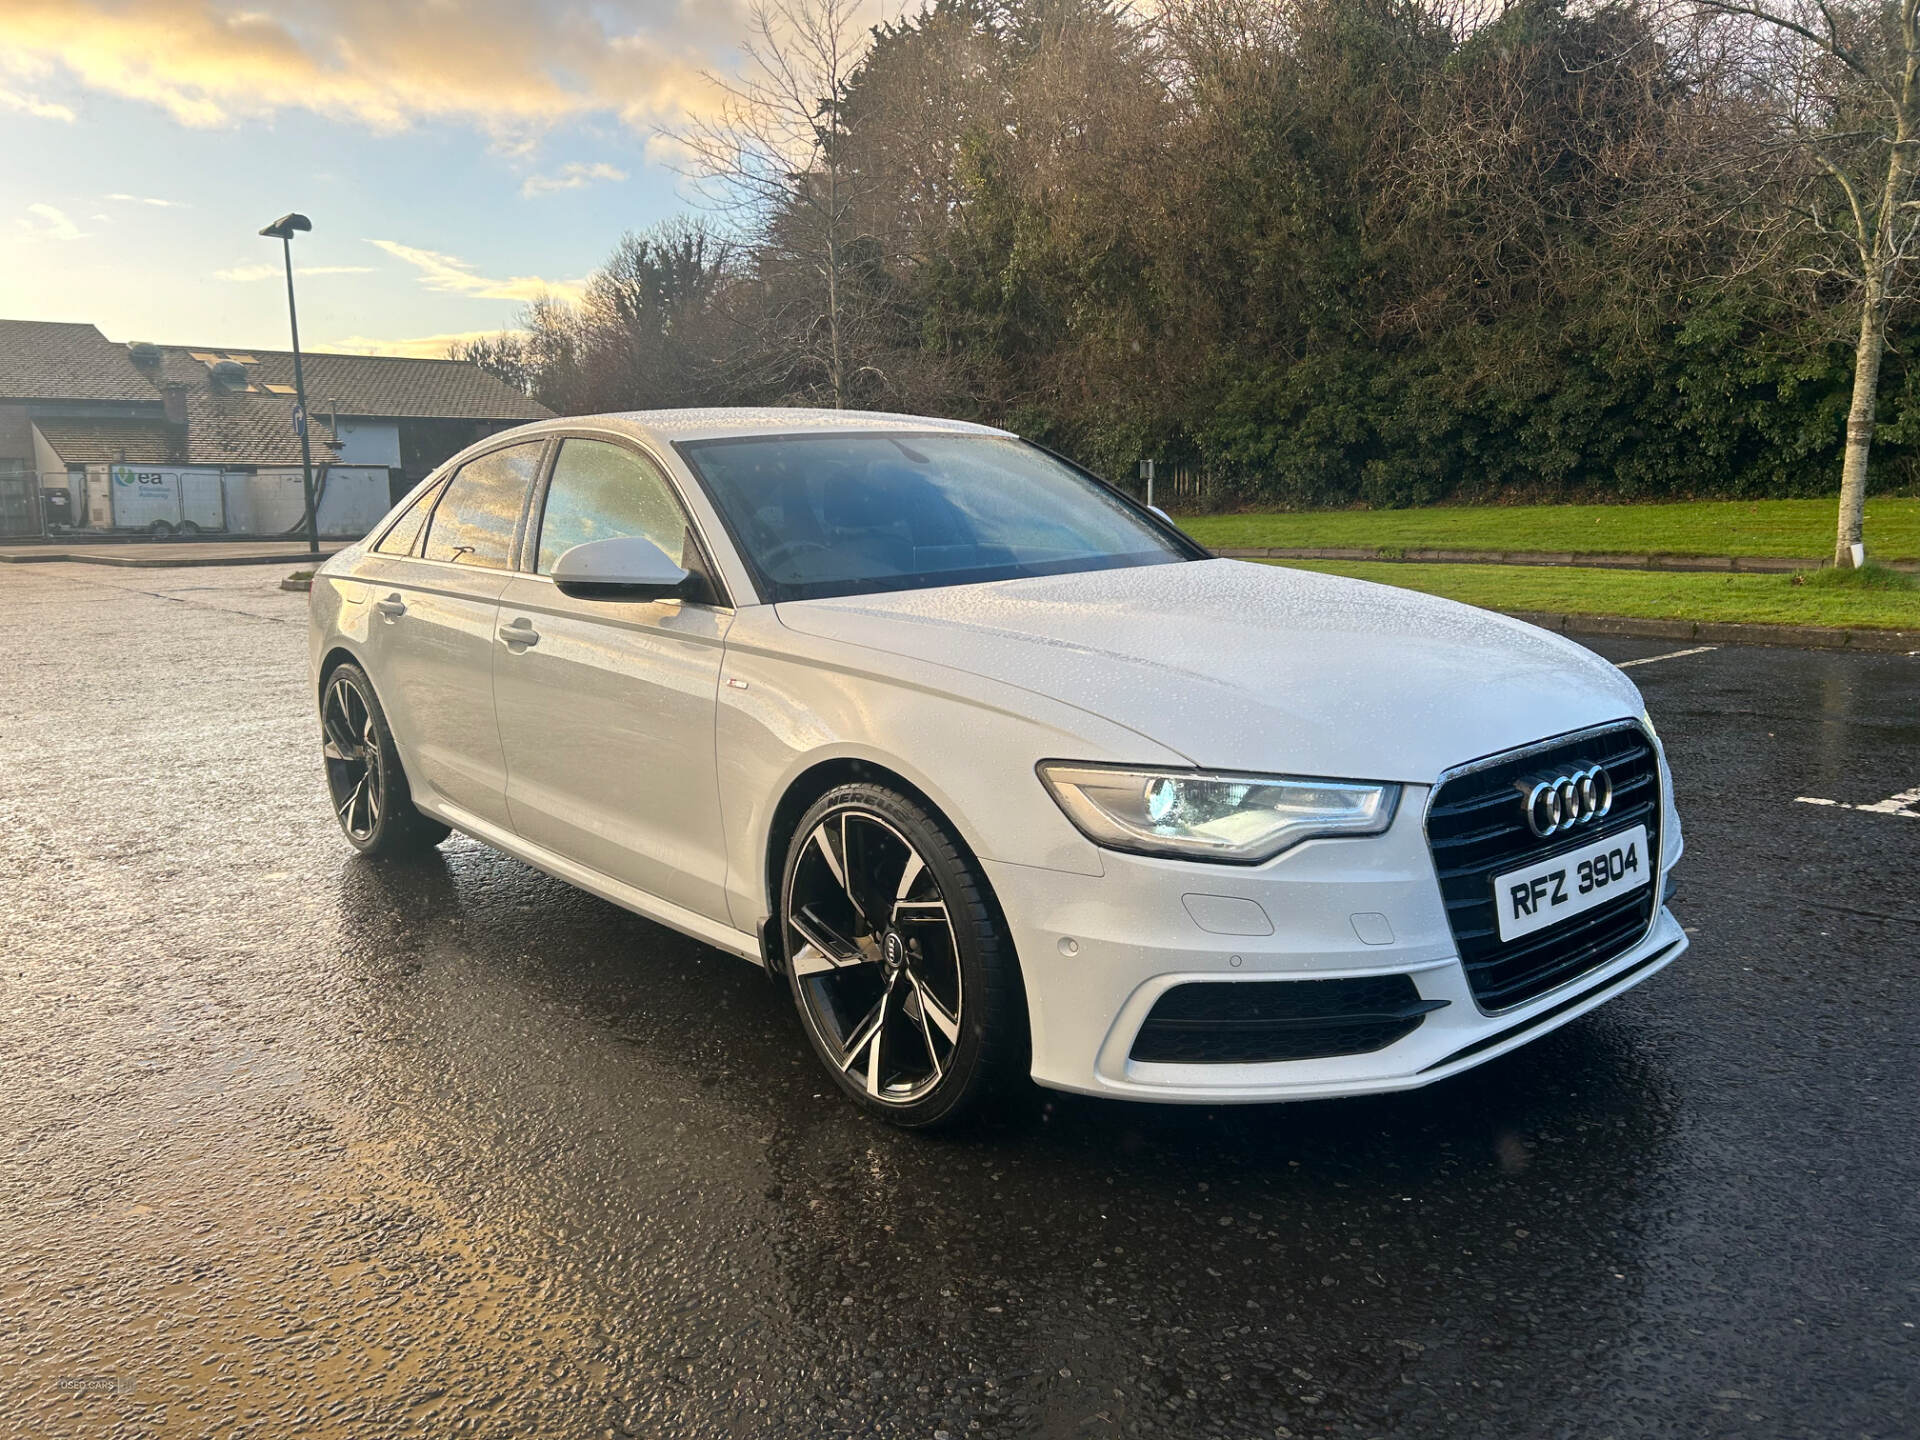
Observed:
{"x":627,"y":897}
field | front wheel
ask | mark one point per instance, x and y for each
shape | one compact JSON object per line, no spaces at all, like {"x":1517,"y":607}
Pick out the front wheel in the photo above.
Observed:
{"x":904,"y":976}
{"x":364,"y":777}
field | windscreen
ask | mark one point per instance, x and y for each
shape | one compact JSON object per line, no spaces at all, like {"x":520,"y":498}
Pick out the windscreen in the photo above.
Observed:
{"x":850,"y":514}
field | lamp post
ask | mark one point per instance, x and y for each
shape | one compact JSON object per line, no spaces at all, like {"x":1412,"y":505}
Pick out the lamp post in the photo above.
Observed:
{"x":283,"y":230}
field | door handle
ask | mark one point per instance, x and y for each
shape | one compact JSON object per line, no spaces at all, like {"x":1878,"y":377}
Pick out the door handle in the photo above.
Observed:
{"x":393,"y":607}
{"x":520,"y":632}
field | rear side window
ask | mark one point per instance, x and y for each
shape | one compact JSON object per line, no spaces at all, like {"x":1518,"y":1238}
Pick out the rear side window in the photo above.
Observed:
{"x":603,"y":492}
{"x":474,"y":522}
{"x":405,"y":532}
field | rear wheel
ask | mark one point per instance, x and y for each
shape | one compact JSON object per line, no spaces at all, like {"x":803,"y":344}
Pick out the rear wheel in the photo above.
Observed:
{"x":900,"y":966}
{"x":364,"y":777}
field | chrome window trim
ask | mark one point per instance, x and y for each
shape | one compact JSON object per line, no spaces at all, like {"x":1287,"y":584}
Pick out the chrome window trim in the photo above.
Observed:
{"x":453,"y":565}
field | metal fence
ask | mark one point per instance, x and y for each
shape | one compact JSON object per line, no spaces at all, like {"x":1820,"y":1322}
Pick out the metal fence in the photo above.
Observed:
{"x":1175,"y":488}
{"x":19,"y":501}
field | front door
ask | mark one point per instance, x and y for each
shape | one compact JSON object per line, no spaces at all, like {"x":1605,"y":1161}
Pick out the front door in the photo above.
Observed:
{"x":606,"y":707}
{"x":435,"y":611}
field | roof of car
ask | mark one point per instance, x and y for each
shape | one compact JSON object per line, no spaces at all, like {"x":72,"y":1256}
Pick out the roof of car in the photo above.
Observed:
{"x":720,"y":423}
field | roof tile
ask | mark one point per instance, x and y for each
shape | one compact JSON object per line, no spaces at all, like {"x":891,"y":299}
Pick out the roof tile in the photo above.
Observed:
{"x":52,"y":360}
{"x":88,"y":442}
{"x":387,"y":386}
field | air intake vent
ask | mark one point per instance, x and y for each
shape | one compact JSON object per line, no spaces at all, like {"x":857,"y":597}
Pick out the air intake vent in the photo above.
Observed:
{"x":144,"y":353}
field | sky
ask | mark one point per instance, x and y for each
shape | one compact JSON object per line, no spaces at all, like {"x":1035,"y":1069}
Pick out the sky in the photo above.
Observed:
{"x":456,"y":158}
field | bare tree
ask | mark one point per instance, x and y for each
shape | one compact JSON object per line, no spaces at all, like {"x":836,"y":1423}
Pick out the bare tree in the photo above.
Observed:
{"x":1843,"y":77}
{"x":773,"y":151}
{"x":508,"y":357}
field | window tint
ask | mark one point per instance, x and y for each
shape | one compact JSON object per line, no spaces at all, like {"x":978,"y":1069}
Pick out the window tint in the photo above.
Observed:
{"x":406,"y":530}
{"x":849,"y":514}
{"x":603,"y":492}
{"x":474,"y":522}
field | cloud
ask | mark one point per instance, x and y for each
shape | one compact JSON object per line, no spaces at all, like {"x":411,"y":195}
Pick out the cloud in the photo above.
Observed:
{"x":50,"y":222}
{"x":248,"y":273}
{"x":34,"y":105}
{"x":419,"y":347}
{"x":508,"y":67}
{"x":452,"y":275}
{"x":573,"y":176}
{"x":150,"y":200}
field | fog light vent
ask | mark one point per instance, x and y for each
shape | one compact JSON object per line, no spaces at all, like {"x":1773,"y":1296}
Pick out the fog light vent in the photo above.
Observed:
{"x":1258,"y":1021}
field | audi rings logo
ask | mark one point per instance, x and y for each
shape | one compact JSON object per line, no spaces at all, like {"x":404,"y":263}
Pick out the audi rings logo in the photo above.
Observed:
{"x":1559,"y":804}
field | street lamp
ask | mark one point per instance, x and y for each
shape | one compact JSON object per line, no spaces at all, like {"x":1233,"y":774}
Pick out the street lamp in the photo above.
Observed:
{"x":283,"y":230}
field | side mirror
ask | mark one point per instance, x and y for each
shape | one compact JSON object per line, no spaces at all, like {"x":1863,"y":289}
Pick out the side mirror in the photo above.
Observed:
{"x":1163,"y":515}
{"x":628,"y":567}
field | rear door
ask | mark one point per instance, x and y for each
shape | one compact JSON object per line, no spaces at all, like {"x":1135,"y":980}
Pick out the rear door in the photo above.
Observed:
{"x":435,"y":580}
{"x":606,"y":707}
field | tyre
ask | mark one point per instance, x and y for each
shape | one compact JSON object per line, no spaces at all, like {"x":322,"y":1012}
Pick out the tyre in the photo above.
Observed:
{"x":364,"y":776}
{"x":906,"y":982}
{"x":160,"y":530}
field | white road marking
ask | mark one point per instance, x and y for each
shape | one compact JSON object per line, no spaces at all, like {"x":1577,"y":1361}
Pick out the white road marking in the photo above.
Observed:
{"x":1906,"y":804}
{"x":1656,"y":659}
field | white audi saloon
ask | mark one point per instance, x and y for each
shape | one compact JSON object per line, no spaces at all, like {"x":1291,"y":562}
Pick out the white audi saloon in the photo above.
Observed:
{"x":996,"y":770}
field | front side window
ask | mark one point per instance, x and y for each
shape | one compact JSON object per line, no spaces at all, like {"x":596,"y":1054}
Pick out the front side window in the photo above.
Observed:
{"x":602,"y":491}
{"x":474,"y":522}
{"x":849,"y":514}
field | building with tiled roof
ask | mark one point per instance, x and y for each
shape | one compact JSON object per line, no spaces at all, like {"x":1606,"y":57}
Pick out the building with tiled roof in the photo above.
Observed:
{"x":51,"y":360}
{"x":110,"y":424}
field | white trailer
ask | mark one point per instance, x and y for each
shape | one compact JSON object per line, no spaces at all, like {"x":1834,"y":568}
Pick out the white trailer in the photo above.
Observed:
{"x":202,"y":499}
{"x":160,"y":499}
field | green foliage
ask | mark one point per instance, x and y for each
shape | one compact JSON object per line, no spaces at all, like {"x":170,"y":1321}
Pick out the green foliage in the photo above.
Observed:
{"x":1348,"y":252}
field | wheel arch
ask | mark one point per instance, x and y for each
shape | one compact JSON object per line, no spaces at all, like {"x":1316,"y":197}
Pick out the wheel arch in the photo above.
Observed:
{"x":335,"y":657}
{"x":808,"y":786}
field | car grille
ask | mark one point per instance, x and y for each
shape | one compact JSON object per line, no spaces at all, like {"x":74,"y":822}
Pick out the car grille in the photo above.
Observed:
{"x":1252,"y":1022}
{"x":1477,"y":828}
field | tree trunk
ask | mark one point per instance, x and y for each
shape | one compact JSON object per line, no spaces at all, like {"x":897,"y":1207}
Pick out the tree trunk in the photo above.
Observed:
{"x":839,"y":365}
{"x":1860,"y":419}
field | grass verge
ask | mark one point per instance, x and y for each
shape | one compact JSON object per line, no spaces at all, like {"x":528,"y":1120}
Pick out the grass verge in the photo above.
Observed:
{"x":1873,"y":603}
{"x":1797,"y":529}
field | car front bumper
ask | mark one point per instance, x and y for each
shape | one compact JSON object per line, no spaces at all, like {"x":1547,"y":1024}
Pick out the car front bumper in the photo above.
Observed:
{"x":1098,"y":952}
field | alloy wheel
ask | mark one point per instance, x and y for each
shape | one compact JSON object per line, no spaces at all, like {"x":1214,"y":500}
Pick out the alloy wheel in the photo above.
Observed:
{"x":874,"y":955}
{"x":355,"y":776}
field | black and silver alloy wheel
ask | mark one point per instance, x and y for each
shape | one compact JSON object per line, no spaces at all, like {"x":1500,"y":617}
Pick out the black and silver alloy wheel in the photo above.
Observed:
{"x":365,"y":780}
{"x":352,"y":752}
{"x":896,"y":960}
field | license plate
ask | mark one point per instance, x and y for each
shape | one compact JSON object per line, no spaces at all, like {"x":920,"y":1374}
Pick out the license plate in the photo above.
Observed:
{"x":1549,"y":891}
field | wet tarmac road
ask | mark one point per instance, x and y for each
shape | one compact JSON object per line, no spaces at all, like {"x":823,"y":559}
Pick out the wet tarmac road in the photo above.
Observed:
{"x":296,"y":1144}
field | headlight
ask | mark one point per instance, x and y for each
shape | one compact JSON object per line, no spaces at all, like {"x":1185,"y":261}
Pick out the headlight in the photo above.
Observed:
{"x":1240,"y":819}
